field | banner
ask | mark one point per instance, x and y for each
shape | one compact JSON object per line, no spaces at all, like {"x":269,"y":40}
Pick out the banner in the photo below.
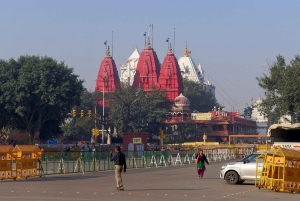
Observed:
{"x":201,"y":116}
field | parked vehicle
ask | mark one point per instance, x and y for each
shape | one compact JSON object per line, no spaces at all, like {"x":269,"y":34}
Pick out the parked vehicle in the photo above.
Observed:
{"x":245,"y":169}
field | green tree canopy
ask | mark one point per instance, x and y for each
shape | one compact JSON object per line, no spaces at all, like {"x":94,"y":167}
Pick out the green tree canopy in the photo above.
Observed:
{"x":200,"y":99}
{"x":248,"y":111}
{"x":133,"y":109}
{"x":281,"y":86}
{"x":37,"y":93}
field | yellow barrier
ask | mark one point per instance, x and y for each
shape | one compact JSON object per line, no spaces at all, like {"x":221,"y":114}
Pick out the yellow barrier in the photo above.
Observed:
{"x":6,"y":162}
{"x":28,"y":161}
{"x":281,"y":170}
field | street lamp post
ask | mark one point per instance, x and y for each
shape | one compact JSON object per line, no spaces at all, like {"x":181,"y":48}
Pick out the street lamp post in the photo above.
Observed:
{"x":103,"y":114}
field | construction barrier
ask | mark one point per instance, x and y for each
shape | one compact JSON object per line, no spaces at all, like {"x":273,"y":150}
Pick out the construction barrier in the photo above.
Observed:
{"x":281,"y":170}
{"x":6,"y":162}
{"x":28,"y":161}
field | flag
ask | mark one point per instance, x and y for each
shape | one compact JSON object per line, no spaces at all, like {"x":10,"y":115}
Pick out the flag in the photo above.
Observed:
{"x":252,"y":99}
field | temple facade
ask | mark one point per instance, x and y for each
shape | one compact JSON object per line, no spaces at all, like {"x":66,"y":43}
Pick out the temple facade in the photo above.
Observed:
{"x":108,"y":78}
{"x":191,"y":71}
{"x":170,"y":78}
{"x":128,"y":70}
{"x":261,"y":120}
{"x":187,"y":66}
{"x":147,"y":70}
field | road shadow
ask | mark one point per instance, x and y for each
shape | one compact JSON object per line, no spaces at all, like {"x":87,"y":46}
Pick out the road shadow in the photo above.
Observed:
{"x":165,"y":189}
{"x":57,"y":178}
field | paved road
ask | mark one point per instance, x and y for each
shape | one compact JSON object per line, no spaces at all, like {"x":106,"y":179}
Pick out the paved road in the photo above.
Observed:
{"x":170,"y":183}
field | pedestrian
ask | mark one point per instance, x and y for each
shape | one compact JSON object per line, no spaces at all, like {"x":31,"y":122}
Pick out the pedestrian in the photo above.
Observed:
{"x":200,"y":162}
{"x":120,"y":164}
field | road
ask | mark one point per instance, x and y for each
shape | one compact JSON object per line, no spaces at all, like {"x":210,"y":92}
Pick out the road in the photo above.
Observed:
{"x":163,"y":183}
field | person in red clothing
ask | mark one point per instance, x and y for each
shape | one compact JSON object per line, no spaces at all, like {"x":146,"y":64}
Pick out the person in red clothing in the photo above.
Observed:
{"x":200,"y":161}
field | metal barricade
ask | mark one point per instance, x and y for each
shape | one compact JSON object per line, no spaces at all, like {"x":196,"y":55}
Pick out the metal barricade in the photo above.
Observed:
{"x":28,"y":161}
{"x":281,"y":170}
{"x":6,"y":162}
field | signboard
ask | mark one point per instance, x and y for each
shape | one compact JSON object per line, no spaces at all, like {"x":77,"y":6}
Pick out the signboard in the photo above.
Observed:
{"x":137,"y":140}
{"x":55,"y":141}
{"x":201,"y":116}
{"x":287,"y":145}
{"x":17,"y":135}
{"x":176,"y":133}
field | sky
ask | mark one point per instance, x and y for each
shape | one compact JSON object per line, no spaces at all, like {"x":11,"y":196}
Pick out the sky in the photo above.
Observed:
{"x":234,"y":41}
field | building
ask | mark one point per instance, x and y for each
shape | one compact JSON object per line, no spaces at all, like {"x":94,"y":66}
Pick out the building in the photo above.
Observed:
{"x":261,"y":120}
{"x":191,"y":71}
{"x":147,"y":70}
{"x":108,"y":78}
{"x":217,"y":124}
{"x":188,"y":68}
{"x":170,"y":78}
{"x":128,"y":70}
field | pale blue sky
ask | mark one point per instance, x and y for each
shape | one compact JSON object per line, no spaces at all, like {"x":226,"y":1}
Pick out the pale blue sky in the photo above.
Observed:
{"x":233,"y":40}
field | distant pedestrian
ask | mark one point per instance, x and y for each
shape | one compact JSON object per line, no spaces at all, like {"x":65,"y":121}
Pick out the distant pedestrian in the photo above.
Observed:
{"x":200,"y":162}
{"x":120,"y":164}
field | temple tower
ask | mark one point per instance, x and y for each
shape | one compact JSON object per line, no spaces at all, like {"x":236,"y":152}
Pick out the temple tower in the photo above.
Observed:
{"x":108,"y":79}
{"x":147,"y":71}
{"x":170,"y":78}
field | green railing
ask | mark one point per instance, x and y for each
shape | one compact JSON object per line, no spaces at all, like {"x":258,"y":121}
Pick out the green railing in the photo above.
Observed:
{"x":73,"y":162}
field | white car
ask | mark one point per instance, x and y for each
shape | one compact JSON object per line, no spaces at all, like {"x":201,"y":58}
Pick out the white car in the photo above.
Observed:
{"x":245,"y":169}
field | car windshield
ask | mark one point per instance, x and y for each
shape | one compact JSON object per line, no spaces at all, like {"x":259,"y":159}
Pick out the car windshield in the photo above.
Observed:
{"x":251,"y":158}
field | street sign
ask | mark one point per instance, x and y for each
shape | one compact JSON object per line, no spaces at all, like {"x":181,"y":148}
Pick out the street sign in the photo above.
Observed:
{"x":53,"y":142}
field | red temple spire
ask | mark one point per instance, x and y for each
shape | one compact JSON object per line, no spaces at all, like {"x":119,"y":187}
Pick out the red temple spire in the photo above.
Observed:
{"x":147,"y":70}
{"x":108,"y":78}
{"x":170,"y":78}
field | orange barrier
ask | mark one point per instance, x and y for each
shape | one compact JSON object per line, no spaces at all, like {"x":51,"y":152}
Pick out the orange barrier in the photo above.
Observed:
{"x":6,"y":162}
{"x":28,"y":161}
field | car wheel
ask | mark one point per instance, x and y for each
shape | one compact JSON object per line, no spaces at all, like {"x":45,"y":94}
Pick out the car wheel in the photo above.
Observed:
{"x":232,"y":177}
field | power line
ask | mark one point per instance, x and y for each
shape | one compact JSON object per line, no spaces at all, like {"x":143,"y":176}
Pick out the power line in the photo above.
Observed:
{"x":223,"y":91}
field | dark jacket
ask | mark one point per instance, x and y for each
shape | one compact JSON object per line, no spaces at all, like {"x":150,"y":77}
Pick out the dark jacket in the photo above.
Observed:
{"x":202,"y":159}
{"x":119,"y":159}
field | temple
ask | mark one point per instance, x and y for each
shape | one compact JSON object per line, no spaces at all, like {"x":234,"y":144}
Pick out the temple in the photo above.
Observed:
{"x":108,"y":79}
{"x":147,"y":70}
{"x":170,"y":78}
{"x":128,"y":70}
{"x":189,"y":70}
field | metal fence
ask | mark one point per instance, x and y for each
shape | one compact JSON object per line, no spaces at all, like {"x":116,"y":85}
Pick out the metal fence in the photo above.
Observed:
{"x":75,"y":162}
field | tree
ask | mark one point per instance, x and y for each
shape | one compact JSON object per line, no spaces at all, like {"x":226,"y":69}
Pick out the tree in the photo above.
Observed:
{"x":282,"y":89}
{"x":200,"y":99}
{"x":132,"y":109}
{"x":37,"y":93}
{"x":187,"y":130}
{"x":248,"y":111}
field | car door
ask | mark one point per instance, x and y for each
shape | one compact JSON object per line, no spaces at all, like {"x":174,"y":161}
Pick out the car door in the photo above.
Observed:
{"x":248,"y":167}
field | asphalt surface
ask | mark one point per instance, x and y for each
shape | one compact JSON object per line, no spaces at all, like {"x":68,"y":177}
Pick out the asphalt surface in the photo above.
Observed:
{"x":162,"y":183}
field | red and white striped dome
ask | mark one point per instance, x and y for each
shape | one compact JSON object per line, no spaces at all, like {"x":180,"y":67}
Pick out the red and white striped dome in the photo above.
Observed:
{"x":182,"y":101}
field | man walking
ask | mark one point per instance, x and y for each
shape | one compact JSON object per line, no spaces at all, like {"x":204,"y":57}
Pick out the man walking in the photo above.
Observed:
{"x":120,"y":164}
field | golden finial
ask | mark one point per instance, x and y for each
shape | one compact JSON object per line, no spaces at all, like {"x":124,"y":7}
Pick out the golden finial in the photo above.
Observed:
{"x":148,"y":42}
{"x":186,"y":51}
{"x":170,"y":48}
{"x":107,"y":51}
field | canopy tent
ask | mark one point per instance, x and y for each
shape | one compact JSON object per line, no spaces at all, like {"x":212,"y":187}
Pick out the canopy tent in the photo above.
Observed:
{"x":276,"y":129}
